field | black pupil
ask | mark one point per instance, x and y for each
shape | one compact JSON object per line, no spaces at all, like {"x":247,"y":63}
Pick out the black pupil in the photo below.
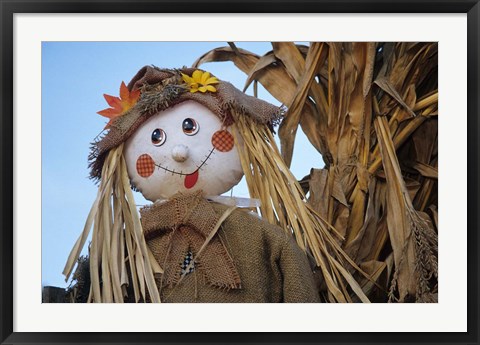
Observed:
{"x":157,"y":136}
{"x":189,"y":125}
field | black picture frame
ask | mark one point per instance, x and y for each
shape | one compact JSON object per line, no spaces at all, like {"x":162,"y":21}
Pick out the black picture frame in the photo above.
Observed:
{"x":10,"y":7}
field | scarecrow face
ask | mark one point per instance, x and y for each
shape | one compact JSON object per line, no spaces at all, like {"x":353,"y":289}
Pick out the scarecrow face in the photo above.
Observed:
{"x":183,"y":148}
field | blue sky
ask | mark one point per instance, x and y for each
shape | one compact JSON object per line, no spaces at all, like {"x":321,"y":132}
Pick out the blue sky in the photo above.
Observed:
{"x":75,"y":75}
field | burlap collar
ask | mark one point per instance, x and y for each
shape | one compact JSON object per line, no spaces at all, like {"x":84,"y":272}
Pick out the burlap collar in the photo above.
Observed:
{"x":181,"y":225}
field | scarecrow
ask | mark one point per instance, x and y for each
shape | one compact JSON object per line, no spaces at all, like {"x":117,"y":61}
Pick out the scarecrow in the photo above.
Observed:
{"x":182,"y":138}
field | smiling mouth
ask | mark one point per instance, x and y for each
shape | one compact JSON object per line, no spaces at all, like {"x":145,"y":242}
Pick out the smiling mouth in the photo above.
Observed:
{"x":181,"y":173}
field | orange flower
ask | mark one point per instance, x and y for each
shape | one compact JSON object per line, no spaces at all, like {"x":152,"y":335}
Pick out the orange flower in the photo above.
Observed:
{"x":119,"y":105}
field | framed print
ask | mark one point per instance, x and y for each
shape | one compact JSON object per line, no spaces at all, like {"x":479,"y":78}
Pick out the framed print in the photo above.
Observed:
{"x":268,"y":174}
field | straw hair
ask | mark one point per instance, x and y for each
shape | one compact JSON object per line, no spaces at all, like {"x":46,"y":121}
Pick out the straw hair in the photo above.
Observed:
{"x":116,"y":226}
{"x":283,"y":203}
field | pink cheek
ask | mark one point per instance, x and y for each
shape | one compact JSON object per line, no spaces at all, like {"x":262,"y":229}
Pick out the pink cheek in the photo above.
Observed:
{"x":145,"y":166}
{"x":222,"y":141}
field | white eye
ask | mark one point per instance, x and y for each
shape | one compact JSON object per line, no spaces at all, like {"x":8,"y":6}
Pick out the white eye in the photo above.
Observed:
{"x":158,"y":137}
{"x":190,"y":126}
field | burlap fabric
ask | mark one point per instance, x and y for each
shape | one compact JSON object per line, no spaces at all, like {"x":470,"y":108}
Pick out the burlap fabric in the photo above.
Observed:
{"x":164,"y":88}
{"x":182,"y":225}
{"x":270,"y":265}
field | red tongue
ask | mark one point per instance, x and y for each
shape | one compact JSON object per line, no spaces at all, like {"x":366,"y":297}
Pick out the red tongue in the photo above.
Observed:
{"x":191,"y":179}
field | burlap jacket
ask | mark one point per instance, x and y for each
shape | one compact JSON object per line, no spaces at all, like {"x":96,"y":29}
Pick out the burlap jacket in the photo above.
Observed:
{"x":248,"y":259}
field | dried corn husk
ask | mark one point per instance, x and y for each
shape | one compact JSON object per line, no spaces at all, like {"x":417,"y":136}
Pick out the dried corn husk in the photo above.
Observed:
{"x":370,"y":109}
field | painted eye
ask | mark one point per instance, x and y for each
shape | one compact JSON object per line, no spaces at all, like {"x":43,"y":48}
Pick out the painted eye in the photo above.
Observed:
{"x":190,"y":126}
{"x":158,"y":137}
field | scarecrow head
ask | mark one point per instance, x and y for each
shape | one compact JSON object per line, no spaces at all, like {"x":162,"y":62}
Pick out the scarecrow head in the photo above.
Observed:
{"x":176,"y":131}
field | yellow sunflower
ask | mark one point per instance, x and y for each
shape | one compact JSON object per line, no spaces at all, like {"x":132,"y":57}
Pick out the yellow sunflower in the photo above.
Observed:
{"x":200,"y":81}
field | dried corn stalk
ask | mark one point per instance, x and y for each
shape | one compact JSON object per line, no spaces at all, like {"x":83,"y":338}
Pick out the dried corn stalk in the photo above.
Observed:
{"x":370,"y":109}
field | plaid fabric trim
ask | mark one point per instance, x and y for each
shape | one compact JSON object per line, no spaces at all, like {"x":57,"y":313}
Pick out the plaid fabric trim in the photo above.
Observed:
{"x":186,"y":262}
{"x":145,"y":165}
{"x":222,"y":141}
